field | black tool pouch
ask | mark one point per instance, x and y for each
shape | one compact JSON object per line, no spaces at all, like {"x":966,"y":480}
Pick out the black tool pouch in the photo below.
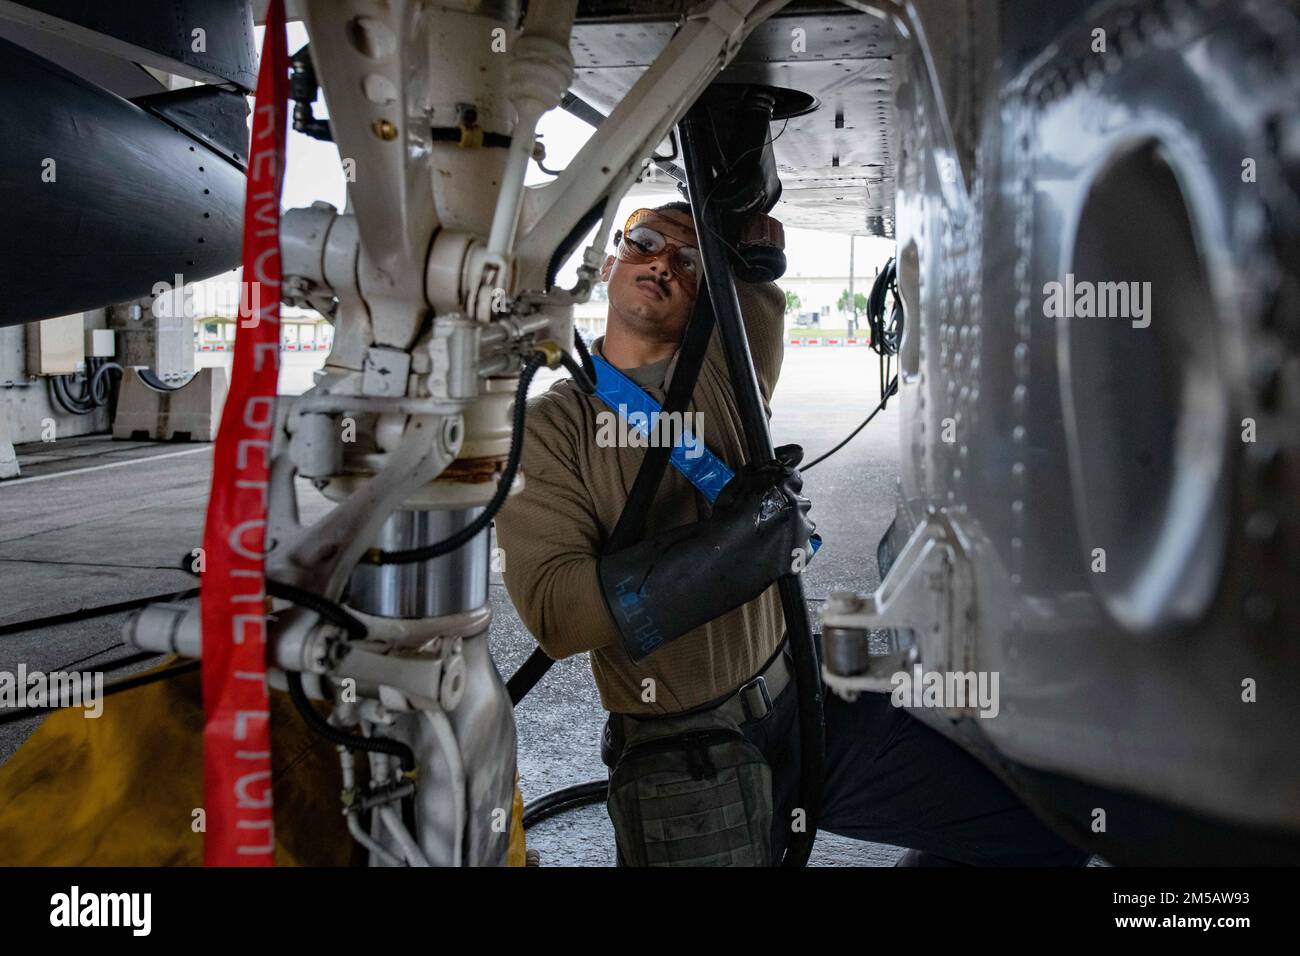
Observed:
{"x":691,"y":791}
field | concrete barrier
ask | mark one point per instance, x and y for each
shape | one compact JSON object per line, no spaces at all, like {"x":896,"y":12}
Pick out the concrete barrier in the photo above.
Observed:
{"x":189,"y":413}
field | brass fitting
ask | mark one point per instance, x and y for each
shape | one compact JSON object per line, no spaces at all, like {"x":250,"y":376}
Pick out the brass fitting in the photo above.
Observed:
{"x":551,"y":349}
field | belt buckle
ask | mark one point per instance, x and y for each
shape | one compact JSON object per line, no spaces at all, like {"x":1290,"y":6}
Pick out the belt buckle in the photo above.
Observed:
{"x":759,"y":683}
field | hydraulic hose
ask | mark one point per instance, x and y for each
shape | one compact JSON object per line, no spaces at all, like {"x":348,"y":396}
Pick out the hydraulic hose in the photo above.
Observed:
{"x":585,"y":374}
{"x":720,"y":281}
{"x":340,"y":738}
{"x":565,"y":248}
{"x":588,"y":366}
{"x":564,"y":799}
{"x":330,"y":611}
{"x":886,"y":335}
{"x":323,"y":606}
{"x":467,"y":534}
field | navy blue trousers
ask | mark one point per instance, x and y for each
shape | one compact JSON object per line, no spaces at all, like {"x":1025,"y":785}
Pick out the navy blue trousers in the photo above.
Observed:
{"x":891,"y":779}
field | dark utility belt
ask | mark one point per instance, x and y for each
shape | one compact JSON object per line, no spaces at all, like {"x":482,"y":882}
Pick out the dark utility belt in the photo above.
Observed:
{"x":753,"y":700}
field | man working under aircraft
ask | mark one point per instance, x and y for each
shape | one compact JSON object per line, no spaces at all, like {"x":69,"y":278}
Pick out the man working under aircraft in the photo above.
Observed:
{"x":709,"y":657}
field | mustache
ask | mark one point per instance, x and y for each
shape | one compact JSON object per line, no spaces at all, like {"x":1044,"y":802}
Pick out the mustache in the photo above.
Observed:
{"x":663,"y":286}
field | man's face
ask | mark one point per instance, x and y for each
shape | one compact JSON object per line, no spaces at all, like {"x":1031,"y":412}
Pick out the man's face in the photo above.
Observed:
{"x":653,"y":281}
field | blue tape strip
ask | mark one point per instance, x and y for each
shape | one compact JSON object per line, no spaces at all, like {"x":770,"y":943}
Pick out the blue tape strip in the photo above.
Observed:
{"x":701,"y":467}
{"x":706,"y":471}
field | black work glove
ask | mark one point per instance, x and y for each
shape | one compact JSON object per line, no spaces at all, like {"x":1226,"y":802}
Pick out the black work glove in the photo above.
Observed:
{"x":759,"y":530}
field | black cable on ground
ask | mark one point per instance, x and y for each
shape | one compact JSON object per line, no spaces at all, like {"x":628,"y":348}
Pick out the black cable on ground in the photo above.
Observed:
{"x":327,"y":609}
{"x":564,"y":799}
{"x":86,"y":657}
{"x":182,"y":667}
{"x":889,"y":391}
{"x":114,"y":665}
{"x":447,"y":545}
{"x":71,"y":617}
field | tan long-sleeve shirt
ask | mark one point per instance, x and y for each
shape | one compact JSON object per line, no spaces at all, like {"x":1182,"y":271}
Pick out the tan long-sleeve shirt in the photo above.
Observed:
{"x":552,"y":531}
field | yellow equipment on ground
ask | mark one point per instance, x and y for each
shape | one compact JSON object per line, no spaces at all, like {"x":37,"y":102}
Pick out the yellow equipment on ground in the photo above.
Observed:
{"x":126,"y":788}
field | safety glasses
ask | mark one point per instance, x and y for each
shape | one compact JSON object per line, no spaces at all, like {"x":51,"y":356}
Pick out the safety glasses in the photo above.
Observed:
{"x":647,"y":235}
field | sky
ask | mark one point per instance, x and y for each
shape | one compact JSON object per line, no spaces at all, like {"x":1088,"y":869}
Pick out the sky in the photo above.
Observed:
{"x":314,"y":173}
